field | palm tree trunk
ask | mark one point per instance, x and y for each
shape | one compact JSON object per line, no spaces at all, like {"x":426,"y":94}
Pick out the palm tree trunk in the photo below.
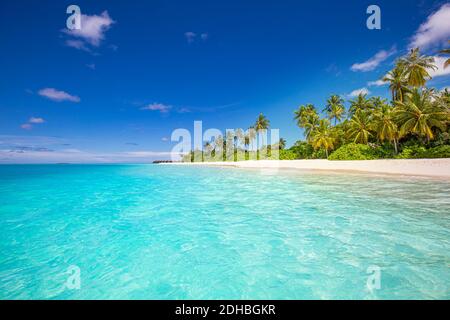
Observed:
{"x":326,"y":152}
{"x":395,"y":146}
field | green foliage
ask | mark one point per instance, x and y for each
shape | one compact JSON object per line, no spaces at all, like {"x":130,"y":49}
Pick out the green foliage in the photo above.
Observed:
{"x":302,"y":150}
{"x":354,"y":151}
{"x":420,"y":152}
{"x":287,"y":155}
{"x":412,"y":152}
{"x":438,"y":152}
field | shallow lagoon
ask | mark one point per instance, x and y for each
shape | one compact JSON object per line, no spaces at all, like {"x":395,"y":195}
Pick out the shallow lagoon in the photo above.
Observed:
{"x":175,"y":232}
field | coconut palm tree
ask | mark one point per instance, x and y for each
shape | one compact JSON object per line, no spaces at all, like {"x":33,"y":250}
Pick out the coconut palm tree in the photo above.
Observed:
{"x":360,"y":103}
{"x":446,"y":51}
{"x":323,"y":137}
{"x":219,"y":146}
{"x":385,"y":126}
{"x":261,"y":125}
{"x":398,"y":83}
{"x":419,"y":115}
{"x":335,"y":108}
{"x":208,"y":147}
{"x":360,"y":126}
{"x":417,"y":67}
{"x":282,"y":144}
{"x":377,"y":103}
{"x":307,"y":118}
{"x":443,"y":100}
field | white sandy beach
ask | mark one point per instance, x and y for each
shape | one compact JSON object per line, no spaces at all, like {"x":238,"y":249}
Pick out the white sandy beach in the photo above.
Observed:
{"x":411,"y":167}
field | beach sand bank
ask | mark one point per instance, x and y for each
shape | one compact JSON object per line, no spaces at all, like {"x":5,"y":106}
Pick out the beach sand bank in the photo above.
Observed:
{"x":411,"y":167}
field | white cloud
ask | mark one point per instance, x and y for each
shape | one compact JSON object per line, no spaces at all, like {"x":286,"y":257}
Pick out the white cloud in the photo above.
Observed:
{"x":377,"y":83}
{"x":373,"y":62}
{"x":57,"y":95}
{"x":190,"y":36}
{"x":26,"y":126}
{"x":357,"y":92}
{"x":43,"y":155}
{"x":77,"y":44}
{"x":165,"y":139}
{"x":93,"y":28}
{"x":163,"y":108}
{"x":36,"y":120}
{"x":435,"y":31}
{"x":441,"y":71}
{"x":43,"y":149}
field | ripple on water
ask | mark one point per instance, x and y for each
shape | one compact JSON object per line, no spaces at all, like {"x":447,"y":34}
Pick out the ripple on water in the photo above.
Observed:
{"x":172,"y":232}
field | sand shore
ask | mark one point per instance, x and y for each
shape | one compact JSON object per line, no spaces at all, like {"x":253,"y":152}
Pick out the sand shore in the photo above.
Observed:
{"x":411,"y":167}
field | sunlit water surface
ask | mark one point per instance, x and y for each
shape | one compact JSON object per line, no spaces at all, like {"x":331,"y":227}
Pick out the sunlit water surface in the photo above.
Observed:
{"x":175,"y":232}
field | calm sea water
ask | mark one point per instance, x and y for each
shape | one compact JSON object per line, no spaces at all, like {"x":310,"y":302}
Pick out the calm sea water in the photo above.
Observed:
{"x":172,"y":232}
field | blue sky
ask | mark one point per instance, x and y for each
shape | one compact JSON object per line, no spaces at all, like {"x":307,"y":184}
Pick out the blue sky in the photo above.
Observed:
{"x":115,"y":91}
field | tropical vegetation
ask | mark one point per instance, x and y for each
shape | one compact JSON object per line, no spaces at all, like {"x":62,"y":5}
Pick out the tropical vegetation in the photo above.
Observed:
{"x":414,"y":124}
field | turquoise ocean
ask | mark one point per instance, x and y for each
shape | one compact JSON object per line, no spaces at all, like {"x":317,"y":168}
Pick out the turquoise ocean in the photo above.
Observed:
{"x":180,"y":232}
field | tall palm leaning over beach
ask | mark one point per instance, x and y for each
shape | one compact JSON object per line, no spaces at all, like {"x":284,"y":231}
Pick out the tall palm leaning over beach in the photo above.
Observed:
{"x":335,"y":108}
{"x":360,"y":127}
{"x":417,"y":67}
{"x":307,"y":118}
{"x":447,"y":52}
{"x":419,"y":115}
{"x":323,"y":137}
{"x":398,"y":84}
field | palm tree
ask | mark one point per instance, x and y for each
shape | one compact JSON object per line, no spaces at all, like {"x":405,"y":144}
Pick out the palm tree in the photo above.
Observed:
{"x":249,"y":137}
{"x":416,"y":68}
{"x":443,"y":100}
{"x":360,"y":103}
{"x":219,"y":146}
{"x":360,"y":127}
{"x":307,"y":118}
{"x":282,"y":144}
{"x":261,"y":125}
{"x":377,"y":103}
{"x":398,"y":83}
{"x":335,"y":108}
{"x":208,"y":147}
{"x":385,"y":126}
{"x":239,"y":137}
{"x":446,"y":51}
{"x":323,"y":137}
{"x":419,"y":115}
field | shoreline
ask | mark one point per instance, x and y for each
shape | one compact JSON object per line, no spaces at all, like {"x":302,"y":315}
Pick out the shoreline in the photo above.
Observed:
{"x":439,"y":168}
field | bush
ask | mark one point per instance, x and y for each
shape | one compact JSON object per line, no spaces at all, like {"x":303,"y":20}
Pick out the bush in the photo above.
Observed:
{"x":287,"y":155}
{"x":353,"y":151}
{"x":302,"y":150}
{"x":419,"y":152}
{"x":412,"y":152}
{"x":438,"y":152}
